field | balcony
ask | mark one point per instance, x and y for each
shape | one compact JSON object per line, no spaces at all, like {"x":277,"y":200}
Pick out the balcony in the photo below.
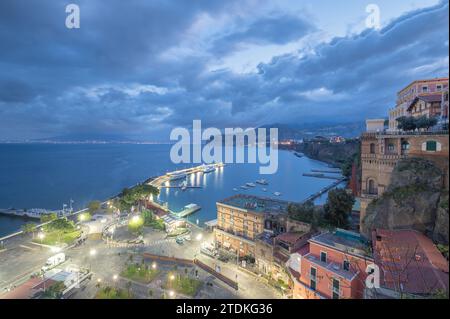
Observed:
{"x":370,"y":194}
{"x":402,"y":133}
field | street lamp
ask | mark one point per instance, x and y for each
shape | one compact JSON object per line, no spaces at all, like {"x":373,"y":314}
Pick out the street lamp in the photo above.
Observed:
{"x":41,"y":237}
{"x":172,"y":277}
{"x":154,"y":265}
{"x":171,"y":293}
{"x":92,"y":253}
{"x":199,"y":236}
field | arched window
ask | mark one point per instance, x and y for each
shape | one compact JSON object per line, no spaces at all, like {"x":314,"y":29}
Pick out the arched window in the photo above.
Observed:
{"x":372,"y":148}
{"x":371,"y":187}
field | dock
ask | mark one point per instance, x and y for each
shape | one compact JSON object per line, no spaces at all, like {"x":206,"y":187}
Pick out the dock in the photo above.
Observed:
{"x":160,"y":181}
{"x":337,"y":171}
{"x":324,"y":190}
{"x":321,"y":175}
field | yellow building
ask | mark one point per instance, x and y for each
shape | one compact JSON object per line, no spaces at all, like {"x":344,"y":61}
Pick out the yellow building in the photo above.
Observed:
{"x":242,"y":218}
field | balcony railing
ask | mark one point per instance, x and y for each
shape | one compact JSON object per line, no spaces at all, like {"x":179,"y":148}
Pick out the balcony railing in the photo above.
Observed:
{"x":404,"y":133}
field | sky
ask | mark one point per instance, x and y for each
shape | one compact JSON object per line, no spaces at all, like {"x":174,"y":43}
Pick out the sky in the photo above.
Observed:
{"x":137,"y":69}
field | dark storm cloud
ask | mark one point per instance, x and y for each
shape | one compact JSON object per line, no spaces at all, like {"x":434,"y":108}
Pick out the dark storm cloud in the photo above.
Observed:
{"x":109,"y":77}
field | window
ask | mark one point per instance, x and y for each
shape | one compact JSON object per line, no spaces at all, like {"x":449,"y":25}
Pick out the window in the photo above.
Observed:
{"x":346,"y":265}
{"x":312,"y":276}
{"x":372,"y":148}
{"x":405,"y":146}
{"x":391,"y":147}
{"x":336,"y":288}
{"x":371,"y":187}
{"x":439,"y":87}
{"x":424,"y":89}
{"x":323,"y":256}
{"x":431,"y":146}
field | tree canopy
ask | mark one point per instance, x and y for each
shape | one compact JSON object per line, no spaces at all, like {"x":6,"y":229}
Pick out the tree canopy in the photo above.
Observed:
{"x":338,"y":207}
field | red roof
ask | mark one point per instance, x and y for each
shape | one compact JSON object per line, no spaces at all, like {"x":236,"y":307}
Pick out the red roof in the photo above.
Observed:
{"x":290,"y":237}
{"x":409,"y":259}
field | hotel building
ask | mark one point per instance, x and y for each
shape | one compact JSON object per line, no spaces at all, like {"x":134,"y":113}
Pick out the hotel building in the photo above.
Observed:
{"x":241,"y":219}
{"x":437,"y":87}
{"x":332,"y":267}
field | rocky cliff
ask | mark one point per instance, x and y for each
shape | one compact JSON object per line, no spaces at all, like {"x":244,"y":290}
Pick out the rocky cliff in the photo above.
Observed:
{"x":414,"y":199}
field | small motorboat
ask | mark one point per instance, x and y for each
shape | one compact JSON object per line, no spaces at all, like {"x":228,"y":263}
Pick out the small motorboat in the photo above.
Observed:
{"x":250,"y":184}
{"x":277,"y":194}
{"x":262,"y":182}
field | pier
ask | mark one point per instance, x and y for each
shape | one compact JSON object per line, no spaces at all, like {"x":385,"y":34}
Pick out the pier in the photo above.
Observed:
{"x":321,"y":175}
{"x":324,"y":190}
{"x":337,"y":171}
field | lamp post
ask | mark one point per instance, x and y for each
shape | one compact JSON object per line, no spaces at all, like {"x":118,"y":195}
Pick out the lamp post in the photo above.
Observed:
{"x":92,"y":253}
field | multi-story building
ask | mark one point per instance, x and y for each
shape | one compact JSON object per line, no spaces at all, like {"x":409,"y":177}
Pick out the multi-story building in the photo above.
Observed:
{"x":380,"y":152}
{"x":272,"y":252}
{"x":242,"y":218}
{"x":409,"y":263}
{"x":437,"y":87}
{"x":427,"y":105}
{"x":333,"y":266}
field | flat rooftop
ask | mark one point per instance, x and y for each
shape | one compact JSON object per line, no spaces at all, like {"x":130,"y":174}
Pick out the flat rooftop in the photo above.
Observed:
{"x":345,"y":241}
{"x":256,"y":204}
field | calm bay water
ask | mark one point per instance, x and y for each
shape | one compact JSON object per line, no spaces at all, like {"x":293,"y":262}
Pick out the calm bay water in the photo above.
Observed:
{"x":49,"y":175}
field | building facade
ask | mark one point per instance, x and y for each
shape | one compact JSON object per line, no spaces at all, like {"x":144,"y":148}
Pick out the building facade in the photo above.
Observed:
{"x":437,"y":86}
{"x":241,"y":219}
{"x":333,"y":267}
{"x":381,"y":151}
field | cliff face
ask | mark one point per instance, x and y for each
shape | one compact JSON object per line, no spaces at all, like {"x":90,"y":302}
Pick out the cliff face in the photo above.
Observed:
{"x":335,"y":154}
{"x":414,"y":199}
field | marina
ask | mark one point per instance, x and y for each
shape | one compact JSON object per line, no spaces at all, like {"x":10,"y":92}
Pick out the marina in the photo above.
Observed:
{"x":107,"y":176}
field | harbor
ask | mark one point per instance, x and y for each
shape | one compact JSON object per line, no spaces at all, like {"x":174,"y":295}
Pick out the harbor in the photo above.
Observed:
{"x":201,"y":185}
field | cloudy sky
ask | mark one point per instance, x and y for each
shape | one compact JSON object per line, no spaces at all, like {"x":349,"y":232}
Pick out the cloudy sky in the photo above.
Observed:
{"x":135,"y":69}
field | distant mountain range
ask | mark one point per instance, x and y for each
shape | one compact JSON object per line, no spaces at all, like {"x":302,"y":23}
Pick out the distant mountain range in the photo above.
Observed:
{"x":285,"y":131}
{"x":309,"y":130}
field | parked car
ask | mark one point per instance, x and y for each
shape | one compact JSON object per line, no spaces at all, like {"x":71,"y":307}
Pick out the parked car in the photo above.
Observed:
{"x":179,"y":241}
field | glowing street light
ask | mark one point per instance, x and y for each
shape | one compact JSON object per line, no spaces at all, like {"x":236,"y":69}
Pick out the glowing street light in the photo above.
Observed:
{"x":154,"y":265}
{"x":172,"y":277}
{"x":171,"y":293}
{"x":199,"y":236}
{"x":92,"y":252}
{"x":115,"y":277}
{"x":41,"y":236}
{"x":136,"y":219}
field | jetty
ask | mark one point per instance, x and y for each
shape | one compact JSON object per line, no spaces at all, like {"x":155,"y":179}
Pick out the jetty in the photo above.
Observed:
{"x":324,"y":190}
{"x":164,"y":180}
{"x":337,"y":171}
{"x":321,"y":175}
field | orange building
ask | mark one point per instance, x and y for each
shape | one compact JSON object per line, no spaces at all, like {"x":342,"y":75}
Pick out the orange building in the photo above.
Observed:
{"x":333,"y":266}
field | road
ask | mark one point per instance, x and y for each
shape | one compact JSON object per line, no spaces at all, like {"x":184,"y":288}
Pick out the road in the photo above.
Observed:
{"x":23,"y":258}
